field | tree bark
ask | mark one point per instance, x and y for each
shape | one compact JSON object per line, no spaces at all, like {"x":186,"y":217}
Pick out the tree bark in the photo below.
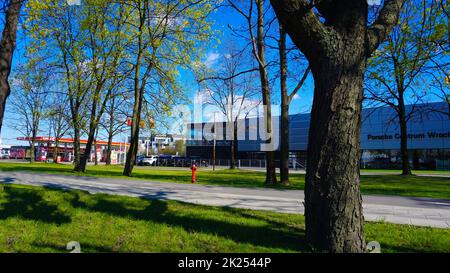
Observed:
{"x":134,"y":139}
{"x":284,"y":136}
{"x":271,"y":177}
{"x":406,"y":168}
{"x":333,"y":203}
{"x":136,"y":118}
{"x":55,"y":151}
{"x":93,"y":129}
{"x":76,"y":145}
{"x":139,"y":89}
{"x":7,"y":46}
{"x":337,"y":49}
{"x":32,"y":151}
{"x":109,"y":148}
{"x":84,"y":157}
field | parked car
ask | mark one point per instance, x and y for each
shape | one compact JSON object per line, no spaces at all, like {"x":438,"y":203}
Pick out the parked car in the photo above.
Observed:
{"x":188,"y":161}
{"x":165,"y":160}
{"x":147,"y":160}
{"x":5,"y":154}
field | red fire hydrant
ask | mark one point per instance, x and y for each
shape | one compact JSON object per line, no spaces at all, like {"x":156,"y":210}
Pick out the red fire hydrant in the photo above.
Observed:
{"x":194,"y":169}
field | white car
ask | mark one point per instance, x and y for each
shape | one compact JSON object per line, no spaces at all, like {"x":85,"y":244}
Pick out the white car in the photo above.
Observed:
{"x":148,"y":160}
{"x":4,"y":154}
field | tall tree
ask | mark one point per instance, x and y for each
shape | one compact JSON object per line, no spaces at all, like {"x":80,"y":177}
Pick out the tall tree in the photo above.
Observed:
{"x":441,"y":84}
{"x":7,"y":46}
{"x":231,"y":92}
{"x":286,"y":98}
{"x":105,"y":47}
{"x":165,"y":34}
{"x":29,"y":102}
{"x":56,"y":33}
{"x":114,"y":120}
{"x":399,"y":71}
{"x":258,"y":45}
{"x":58,"y":119}
{"x":337,"y":39}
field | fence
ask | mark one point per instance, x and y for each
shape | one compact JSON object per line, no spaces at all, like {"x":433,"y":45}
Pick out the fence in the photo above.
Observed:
{"x":294,"y":164}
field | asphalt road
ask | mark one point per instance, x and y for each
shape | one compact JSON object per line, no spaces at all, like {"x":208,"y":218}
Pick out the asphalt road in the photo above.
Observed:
{"x":394,"y":209}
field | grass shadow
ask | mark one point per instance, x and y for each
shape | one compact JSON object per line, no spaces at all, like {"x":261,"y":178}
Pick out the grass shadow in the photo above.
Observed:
{"x":29,"y":205}
{"x":271,"y":235}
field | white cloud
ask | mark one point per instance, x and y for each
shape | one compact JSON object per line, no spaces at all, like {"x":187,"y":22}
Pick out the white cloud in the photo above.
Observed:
{"x":296,"y":97}
{"x":211,"y":59}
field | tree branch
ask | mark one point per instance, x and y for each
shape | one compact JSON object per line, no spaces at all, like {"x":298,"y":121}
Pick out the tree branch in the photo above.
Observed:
{"x":384,"y":24}
{"x":302,"y":24}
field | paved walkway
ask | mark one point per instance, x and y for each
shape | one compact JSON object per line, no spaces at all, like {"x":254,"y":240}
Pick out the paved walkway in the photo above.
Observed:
{"x":400,"y":210}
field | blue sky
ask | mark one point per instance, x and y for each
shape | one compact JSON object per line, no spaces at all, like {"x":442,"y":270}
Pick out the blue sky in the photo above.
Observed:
{"x":222,"y":18}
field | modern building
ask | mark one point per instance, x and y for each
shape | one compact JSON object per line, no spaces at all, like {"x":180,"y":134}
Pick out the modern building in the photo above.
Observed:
{"x":158,"y":143}
{"x":428,"y":138}
{"x":5,"y":150}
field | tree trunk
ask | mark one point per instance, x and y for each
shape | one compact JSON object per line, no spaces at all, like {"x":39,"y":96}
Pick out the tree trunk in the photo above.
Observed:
{"x":110,"y":133}
{"x":134,"y":139}
{"x":406,"y":169}
{"x":55,"y":151}
{"x":284,"y":136}
{"x":333,"y":203}
{"x":7,"y":46}
{"x":284,"y":149}
{"x":109,"y":148}
{"x":81,"y":166}
{"x":32,"y":152}
{"x":271,"y":177}
{"x":95,"y":154}
{"x":233,"y":146}
{"x":337,"y":49}
{"x":76,"y":146}
{"x":139,"y":88}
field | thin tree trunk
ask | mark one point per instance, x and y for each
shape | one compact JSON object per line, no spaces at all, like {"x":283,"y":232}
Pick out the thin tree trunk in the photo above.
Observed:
{"x":93,"y":128}
{"x":284,"y":137}
{"x":76,"y":146}
{"x":7,"y":46}
{"x":95,"y":154}
{"x":109,"y":148}
{"x":134,"y":139}
{"x":406,"y":169}
{"x":32,"y":151}
{"x":233,"y":146}
{"x":136,"y":118}
{"x":139,"y":89}
{"x":110,"y":133}
{"x":81,"y":167}
{"x":95,"y":145}
{"x":271,"y":177}
{"x":284,"y":149}
{"x":333,"y":203}
{"x":55,"y":151}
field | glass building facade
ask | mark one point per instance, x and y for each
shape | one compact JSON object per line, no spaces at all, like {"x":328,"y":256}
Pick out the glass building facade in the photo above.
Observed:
{"x":428,"y":138}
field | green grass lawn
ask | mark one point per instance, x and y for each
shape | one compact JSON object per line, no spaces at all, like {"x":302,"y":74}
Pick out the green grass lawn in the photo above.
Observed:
{"x":391,"y":184}
{"x":37,"y":219}
{"x":431,"y":172}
